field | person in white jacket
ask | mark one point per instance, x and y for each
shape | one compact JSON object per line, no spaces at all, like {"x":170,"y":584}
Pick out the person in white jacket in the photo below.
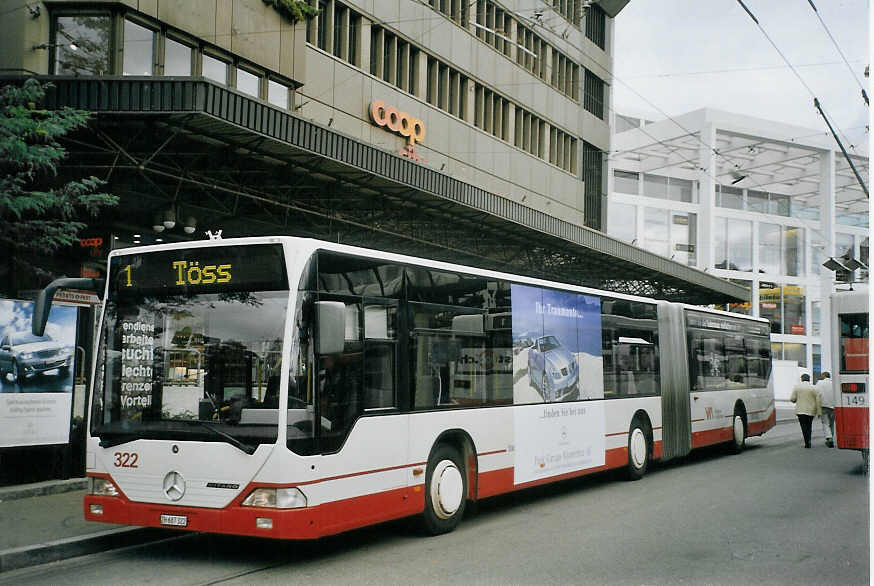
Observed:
{"x":826,"y":391}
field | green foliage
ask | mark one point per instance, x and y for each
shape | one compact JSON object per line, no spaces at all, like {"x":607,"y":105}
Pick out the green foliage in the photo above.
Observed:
{"x":38,"y":212}
{"x":294,"y":10}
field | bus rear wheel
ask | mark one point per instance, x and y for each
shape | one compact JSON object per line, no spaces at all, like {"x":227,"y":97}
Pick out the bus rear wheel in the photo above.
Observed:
{"x":738,"y":433}
{"x":445,"y":491}
{"x":638,"y":451}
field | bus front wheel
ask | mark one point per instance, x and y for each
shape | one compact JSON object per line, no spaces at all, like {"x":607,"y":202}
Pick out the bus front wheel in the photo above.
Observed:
{"x":445,"y":491}
{"x":638,"y":451}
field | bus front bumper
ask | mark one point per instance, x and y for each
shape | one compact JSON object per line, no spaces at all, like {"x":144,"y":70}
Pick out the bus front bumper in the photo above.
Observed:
{"x":236,"y":520}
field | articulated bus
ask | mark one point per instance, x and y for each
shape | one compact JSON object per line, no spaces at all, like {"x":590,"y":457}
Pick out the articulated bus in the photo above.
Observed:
{"x":292,"y":388}
{"x":849,"y":326}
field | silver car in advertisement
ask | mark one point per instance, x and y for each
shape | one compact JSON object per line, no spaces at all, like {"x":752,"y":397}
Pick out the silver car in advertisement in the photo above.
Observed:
{"x":22,"y":354}
{"x":553,"y":370}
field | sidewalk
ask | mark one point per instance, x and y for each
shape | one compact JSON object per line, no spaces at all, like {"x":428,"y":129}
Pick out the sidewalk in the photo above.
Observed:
{"x":44,"y":522}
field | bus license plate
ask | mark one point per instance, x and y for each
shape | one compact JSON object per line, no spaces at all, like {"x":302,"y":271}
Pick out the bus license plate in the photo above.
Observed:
{"x":174,"y":520}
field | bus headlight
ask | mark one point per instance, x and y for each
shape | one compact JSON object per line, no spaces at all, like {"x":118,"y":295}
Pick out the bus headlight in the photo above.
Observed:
{"x":102,"y":487}
{"x":276,"y":498}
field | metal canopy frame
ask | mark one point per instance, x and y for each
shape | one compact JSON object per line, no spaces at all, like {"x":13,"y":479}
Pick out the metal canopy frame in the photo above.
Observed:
{"x":787,"y":166}
{"x":249,"y":168}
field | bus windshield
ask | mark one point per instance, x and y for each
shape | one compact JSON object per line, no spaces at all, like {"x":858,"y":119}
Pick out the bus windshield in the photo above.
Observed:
{"x":191,"y":346}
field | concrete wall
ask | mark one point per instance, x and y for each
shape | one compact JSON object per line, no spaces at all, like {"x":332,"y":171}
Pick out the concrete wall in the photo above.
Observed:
{"x":337,"y":93}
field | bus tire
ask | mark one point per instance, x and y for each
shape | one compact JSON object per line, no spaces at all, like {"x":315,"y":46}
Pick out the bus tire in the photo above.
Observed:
{"x":638,"y":450}
{"x":738,"y":432}
{"x":445,"y":491}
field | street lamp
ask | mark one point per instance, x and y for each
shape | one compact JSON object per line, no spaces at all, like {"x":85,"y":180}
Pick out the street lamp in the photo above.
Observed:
{"x":833,"y":265}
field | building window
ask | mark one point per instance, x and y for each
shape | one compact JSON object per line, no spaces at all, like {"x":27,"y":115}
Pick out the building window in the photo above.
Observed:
{"x":796,"y":352}
{"x":626,"y":182}
{"x":815,"y":318}
{"x":565,"y":75}
{"x":139,"y":44}
{"x":742,"y":308}
{"x":491,"y":112}
{"x":784,"y":307}
{"x":447,"y":89}
{"x":593,"y":96}
{"x":776,"y":351}
{"x":354,"y":39}
{"x":770,"y":303}
{"x":322,"y":26}
{"x":91,"y":35}
{"x":757,"y":201}
{"x":394,"y":60}
{"x":531,"y":51}
{"x":177,"y":58}
{"x":817,"y":252}
{"x":456,"y":10}
{"x":732,"y":244}
{"x":655,"y":186}
{"x":494,"y":25}
{"x":769,"y":248}
{"x":684,"y":234}
{"x":215,"y":69}
{"x":248,"y":83}
{"x":596,"y":25}
{"x":729,"y":197}
{"x":562,"y":150}
{"x":570,"y":10}
{"x":277,"y":94}
{"x":781,"y":249}
{"x":530,"y":133}
{"x":793,"y":251}
{"x":594,"y":168}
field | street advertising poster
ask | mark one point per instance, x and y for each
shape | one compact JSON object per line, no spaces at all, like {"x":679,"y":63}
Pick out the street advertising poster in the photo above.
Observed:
{"x":557,"y":359}
{"x":36,"y":375}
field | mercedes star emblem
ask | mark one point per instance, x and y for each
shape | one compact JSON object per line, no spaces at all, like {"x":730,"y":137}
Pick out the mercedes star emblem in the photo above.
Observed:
{"x":174,"y":486}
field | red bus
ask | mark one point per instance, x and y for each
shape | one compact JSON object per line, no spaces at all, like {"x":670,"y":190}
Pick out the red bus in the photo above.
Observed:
{"x":849,"y":323}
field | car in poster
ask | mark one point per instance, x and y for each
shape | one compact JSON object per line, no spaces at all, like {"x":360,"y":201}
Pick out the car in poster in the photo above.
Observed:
{"x":553,"y":370}
{"x":22,"y":354}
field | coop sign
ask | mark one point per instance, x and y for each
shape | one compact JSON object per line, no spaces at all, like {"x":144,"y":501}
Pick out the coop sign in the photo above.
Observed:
{"x":398,"y":122}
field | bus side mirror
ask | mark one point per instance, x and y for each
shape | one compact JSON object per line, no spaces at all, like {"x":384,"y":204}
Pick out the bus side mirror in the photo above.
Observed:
{"x":43,"y":304}
{"x":331,"y":327}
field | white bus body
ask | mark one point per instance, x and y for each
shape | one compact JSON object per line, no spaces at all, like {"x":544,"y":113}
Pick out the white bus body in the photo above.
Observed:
{"x":206,"y":398}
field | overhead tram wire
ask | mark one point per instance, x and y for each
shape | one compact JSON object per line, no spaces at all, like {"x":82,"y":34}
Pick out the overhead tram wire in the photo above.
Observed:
{"x":835,"y":43}
{"x":816,"y":101}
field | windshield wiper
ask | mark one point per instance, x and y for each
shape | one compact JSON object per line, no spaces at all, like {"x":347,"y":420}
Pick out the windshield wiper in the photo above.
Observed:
{"x":108,"y":443}
{"x":119,"y":439}
{"x":234,"y":441}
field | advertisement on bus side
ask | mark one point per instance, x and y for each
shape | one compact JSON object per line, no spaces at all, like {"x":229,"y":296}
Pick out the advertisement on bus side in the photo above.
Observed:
{"x":557,"y":346}
{"x":557,"y":359}
{"x":36,"y":375}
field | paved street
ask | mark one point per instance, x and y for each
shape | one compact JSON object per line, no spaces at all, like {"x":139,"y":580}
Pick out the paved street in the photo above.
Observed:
{"x":777,"y":514}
